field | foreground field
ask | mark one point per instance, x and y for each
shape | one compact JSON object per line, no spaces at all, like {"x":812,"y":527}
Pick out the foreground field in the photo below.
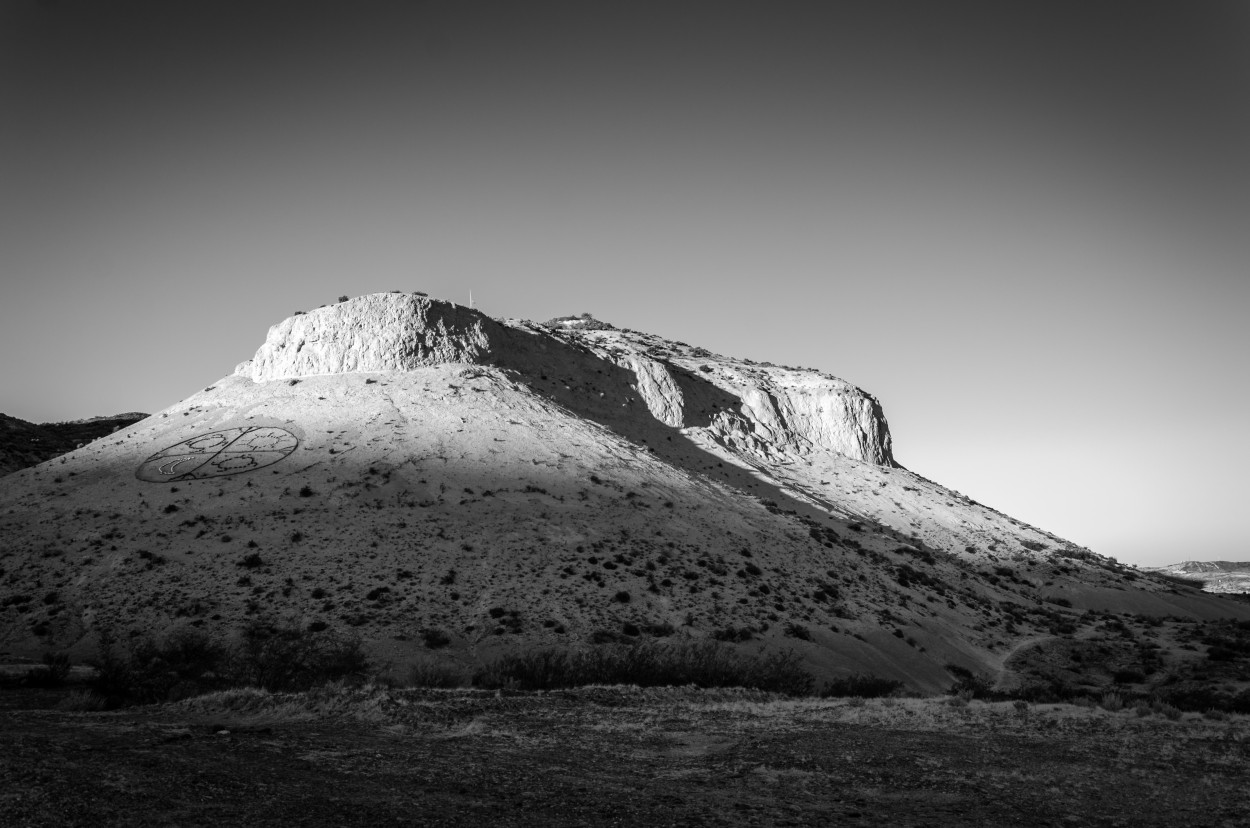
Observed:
{"x":613,"y":756}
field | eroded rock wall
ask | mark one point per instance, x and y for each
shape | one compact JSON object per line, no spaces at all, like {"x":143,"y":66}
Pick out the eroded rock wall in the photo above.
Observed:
{"x":377,"y":332}
{"x":765,"y":411}
{"x":757,"y":410}
{"x":831,"y":416}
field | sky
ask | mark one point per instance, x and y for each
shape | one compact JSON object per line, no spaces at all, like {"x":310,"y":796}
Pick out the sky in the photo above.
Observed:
{"x":1023,"y":227}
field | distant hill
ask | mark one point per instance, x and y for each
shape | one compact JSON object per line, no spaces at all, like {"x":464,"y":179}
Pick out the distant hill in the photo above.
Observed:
{"x":24,"y":444}
{"x":1215,"y":576}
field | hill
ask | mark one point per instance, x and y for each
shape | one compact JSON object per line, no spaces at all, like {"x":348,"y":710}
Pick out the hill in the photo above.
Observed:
{"x":1230,"y":577}
{"x":450,"y":486}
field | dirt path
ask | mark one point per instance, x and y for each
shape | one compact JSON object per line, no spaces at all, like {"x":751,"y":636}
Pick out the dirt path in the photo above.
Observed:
{"x":1019,"y":646}
{"x":610,"y":758}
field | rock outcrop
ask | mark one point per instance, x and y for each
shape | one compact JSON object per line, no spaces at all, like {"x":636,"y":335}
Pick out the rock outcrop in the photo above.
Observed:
{"x":374,"y":333}
{"x":762,"y":411}
{"x":775,"y":411}
{"x":832,"y":416}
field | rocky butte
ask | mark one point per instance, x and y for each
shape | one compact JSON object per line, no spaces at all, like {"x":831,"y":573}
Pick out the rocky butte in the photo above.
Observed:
{"x":449,"y":486}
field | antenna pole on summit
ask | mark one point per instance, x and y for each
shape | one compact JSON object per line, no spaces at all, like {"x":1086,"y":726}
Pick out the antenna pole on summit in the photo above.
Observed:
{"x":470,"y":299}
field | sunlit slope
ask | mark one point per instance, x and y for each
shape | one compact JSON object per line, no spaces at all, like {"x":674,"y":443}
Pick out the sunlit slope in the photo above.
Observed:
{"x":826,"y":445}
{"x":448,"y":498}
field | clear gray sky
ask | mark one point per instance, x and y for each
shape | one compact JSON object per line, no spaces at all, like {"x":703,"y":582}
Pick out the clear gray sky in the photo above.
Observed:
{"x":1021,"y":225}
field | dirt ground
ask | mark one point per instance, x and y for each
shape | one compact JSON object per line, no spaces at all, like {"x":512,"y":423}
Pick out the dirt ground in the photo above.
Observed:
{"x":612,"y":756}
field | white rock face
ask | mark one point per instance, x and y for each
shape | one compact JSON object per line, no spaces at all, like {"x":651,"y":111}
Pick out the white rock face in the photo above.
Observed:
{"x":766,"y":412}
{"x":378,"y":332}
{"x":823,"y":416}
{"x":774,"y":410}
{"x":658,"y":388}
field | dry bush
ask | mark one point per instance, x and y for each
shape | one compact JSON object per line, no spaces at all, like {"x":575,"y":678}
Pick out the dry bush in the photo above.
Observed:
{"x":862,"y":686}
{"x":1112,"y":702}
{"x":188,"y":663}
{"x":436,"y":675}
{"x":648,"y":664}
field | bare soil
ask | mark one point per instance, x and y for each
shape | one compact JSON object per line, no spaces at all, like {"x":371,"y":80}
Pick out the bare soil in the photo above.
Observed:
{"x":612,"y":756}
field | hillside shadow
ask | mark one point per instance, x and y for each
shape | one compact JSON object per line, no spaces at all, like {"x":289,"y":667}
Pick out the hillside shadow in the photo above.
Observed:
{"x":574,"y":377}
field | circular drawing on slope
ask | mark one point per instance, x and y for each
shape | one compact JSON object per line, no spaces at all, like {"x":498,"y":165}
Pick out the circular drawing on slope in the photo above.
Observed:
{"x":219,"y":453}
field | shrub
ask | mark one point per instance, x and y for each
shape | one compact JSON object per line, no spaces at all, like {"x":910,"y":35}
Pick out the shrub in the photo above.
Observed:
{"x":969,"y":685}
{"x":53,"y":673}
{"x":605,"y":637}
{"x":1112,"y":702}
{"x":188,"y":663}
{"x":798,"y":631}
{"x":83,"y":701}
{"x":287,"y":658}
{"x":433,"y":674}
{"x":734,"y":634}
{"x":435,"y":638}
{"x":185,"y":663}
{"x":862,"y":686}
{"x":1166,"y":710}
{"x":647,"y":664}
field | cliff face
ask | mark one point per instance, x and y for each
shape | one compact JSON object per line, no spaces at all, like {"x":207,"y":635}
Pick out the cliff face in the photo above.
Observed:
{"x":776,"y":411}
{"x":374,"y":333}
{"x":762,"y":411}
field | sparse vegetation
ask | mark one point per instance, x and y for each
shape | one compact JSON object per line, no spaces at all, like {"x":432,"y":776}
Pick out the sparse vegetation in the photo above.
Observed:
{"x":434,"y":674}
{"x":733,"y":634}
{"x":435,"y":638}
{"x":647,"y":664}
{"x":53,"y":673}
{"x":796,"y":630}
{"x":861,"y":686}
{"x":188,"y":663}
{"x":1179,"y":580}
